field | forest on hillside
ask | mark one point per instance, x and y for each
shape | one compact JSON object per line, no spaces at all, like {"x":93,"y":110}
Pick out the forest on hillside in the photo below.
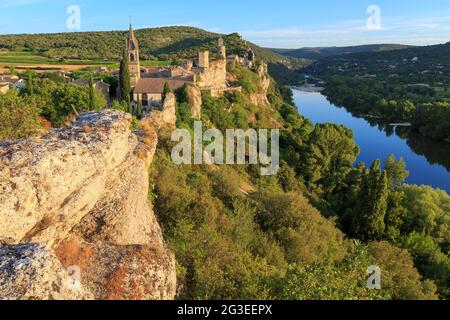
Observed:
{"x":319,"y":53}
{"x":309,"y":232}
{"x":408,"y":85}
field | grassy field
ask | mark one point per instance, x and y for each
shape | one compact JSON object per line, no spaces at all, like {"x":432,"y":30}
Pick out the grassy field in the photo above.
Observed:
{"x":16,"y":54}
{"x":155,"y":63}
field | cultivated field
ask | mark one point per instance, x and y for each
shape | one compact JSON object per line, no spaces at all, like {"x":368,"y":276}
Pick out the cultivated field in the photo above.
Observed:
{"x":21,"y":60}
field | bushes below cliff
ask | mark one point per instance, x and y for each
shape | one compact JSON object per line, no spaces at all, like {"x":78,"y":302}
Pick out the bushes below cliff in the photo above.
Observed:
{"x":238,"y":235}
{"x":46,"y":103}
{"x":19,"y":116}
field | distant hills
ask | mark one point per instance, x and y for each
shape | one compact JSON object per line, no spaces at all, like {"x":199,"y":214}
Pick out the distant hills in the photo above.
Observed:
{"x":166,"y":43}
{"x":285,"y":65}
{"x":426,"y":64}
{"x":319,"y":53}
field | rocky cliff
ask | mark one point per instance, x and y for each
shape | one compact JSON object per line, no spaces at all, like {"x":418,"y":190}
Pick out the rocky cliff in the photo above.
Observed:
{"x":195,"y":101}
{"x":166,"y":117}
{"x":75,"y":222}
{"x":264,"y":83}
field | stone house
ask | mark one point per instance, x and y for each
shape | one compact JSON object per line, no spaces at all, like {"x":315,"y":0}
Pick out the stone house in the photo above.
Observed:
{"x":8,"y":82}
{"x":4,"y":87}
{"x":149,"y":91}
{"x":99,"y":85}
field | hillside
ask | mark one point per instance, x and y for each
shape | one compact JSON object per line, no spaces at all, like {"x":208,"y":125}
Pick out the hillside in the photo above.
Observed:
{"x":318,"y":53}
{"x":165,"y":44}
{"x":236,"y":234}
{"x":408,"y":85}
{"x":428,"y":64}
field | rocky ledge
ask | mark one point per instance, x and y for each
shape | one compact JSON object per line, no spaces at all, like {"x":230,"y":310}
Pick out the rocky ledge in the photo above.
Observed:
{"x":75,"y":222}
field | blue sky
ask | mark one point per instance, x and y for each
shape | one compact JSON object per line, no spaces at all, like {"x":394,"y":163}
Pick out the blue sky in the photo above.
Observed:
{"x":275,"y":23}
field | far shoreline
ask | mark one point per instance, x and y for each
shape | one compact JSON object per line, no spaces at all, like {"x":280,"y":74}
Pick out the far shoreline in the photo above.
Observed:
{"x":308,"y":88}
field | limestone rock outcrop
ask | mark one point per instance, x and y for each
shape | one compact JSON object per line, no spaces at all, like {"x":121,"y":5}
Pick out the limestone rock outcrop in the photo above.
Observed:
{"x":195,"y":101}
{"x":76,"y":199}
{"x":33,"y":271}
{"x":264,"y":83}
{"x":166,"y":117}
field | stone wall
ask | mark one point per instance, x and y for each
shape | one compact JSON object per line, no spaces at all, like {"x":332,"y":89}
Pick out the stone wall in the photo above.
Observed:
{"x":167,"y":117}
{"x":214,"y":77}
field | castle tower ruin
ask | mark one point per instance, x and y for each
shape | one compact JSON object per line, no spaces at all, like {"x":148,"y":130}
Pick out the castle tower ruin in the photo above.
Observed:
{"x":222,"y":50}
{"x":203,"y":59}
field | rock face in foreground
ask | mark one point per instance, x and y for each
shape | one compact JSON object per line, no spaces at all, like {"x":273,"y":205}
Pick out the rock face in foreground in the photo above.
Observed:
{"x":75,"y":222}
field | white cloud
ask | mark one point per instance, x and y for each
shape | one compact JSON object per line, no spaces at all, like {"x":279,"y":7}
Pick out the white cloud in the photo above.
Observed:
{"x":408,"y":30}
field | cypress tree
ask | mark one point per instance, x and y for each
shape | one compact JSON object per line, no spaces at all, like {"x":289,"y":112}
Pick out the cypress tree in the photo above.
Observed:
{"x":166,"y":90}
{"x":91,"y":94}
{"x":139,"y":110}
{"x":30,"y":87}
{"x":124,"y":79}
{"x":370,"y":225}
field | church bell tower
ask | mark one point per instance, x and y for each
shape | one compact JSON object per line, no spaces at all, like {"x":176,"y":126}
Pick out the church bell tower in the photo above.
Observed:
{"x":133,"y":57}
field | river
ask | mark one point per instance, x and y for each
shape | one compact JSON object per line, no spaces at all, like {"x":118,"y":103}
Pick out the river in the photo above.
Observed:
{"x":428,"y":161}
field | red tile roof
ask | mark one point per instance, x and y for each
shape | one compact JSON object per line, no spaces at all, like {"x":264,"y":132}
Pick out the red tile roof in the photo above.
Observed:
{"x":156,"y":85}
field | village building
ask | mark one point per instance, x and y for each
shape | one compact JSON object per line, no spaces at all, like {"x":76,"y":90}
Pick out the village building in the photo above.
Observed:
{"x":147,"y":83}
{"x":101,"y":86}
{"x":4,"y":87}
{"x":9,"y":81}
{"x":149,"y":91}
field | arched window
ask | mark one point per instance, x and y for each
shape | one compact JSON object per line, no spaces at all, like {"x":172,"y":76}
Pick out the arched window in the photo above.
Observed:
{"x":132,"y":58}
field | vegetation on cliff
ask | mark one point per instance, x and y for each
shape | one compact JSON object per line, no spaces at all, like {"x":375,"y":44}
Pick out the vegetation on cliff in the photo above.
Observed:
{"x":311,"y":231}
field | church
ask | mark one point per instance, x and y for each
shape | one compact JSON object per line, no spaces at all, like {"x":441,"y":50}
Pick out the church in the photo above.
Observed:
{"x":147,"y":87}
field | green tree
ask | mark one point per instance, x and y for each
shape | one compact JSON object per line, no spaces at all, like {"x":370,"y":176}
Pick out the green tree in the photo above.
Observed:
{"x":370,"y":224}
{"x":166,"y":90}
{"x":330,"y":155}
{"x":19,"y":116}
{"x":428,"y":212}
{"x":346,"y":280}
{"x":139,"y":110}
{"x":92,"y":105}
{"x":124,"y":79}
{"x":396,"y":171}
{"x":395,"y":215}
{"x":306,"y":236}
{"x":30,"y":87}
{"x":398,"y":274}
{"x":287,"y":178}
{"x":429,"y":259}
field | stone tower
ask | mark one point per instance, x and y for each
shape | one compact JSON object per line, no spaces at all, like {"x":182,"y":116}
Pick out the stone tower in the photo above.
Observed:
{"x":203,"y":59}
{"x":222,"y":50}
{"x":134,"y":65}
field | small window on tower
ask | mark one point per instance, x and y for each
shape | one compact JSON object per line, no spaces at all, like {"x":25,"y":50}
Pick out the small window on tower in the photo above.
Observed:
{"x":132,"y":59}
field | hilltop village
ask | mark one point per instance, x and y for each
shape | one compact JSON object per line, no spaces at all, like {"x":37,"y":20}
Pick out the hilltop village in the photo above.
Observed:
{"x":208,"y":72}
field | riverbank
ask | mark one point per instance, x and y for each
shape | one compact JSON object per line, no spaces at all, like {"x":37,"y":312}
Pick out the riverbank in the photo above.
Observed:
{"x":426,"y":159}
{"x":308,"y":88}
